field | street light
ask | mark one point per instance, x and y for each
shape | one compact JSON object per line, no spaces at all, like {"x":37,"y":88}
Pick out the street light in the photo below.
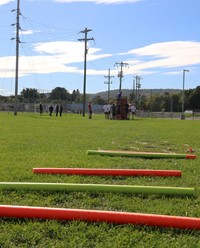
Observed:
{"x":183,"y":95}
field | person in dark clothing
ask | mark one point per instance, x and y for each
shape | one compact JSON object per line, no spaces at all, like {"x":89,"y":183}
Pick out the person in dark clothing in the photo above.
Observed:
{"x":61,"y":110}
{"x":50,"y":110}
{"x":41,"y":109}
{"x":57,"y":109}
{"x":90,"y":110}
{"x":127,"y":110}
{"x":119,"y":96}
{"x":113,"y":111}
{"x":118,"y":108}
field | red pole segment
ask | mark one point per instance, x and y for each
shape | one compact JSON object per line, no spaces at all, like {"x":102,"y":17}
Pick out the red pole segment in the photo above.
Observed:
{"x":107,"y":172}
{"x":191,"y":156}
{"x":99,"y":216}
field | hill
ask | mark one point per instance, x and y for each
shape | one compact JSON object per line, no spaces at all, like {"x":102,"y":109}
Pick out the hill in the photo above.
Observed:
{"x":127,"y":92}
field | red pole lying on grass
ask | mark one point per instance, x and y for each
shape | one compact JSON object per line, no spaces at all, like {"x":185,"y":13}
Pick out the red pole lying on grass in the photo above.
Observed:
{"x":99,"y":216}
{"x":108,"y":172}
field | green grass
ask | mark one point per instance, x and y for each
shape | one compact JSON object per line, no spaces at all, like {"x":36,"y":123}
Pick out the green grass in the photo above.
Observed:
{"x":31,"y":140}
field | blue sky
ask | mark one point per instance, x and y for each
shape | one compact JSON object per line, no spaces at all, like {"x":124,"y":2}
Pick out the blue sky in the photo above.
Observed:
{"x":157,"y":38}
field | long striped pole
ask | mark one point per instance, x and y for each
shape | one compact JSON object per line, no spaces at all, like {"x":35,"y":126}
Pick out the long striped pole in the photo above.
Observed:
{"x":7,"y":211}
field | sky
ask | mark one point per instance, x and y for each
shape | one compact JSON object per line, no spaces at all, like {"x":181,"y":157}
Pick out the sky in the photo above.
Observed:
{"x":155,"y":39}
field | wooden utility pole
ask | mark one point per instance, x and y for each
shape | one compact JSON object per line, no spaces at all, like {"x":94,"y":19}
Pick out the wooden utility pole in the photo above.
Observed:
{"x":133,"y":90}
{"x":120,"y":73}
{"x":86,"y":39}
{"x":137,"y":86}
{"x":108,"y":83}
{"x":17,"y":57}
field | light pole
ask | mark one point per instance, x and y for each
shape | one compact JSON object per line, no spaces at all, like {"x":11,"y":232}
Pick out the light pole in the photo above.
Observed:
{"x":183,"y":95}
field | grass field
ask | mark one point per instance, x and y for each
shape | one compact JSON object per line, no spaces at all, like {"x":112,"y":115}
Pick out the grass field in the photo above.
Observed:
{"x":31,"y":140}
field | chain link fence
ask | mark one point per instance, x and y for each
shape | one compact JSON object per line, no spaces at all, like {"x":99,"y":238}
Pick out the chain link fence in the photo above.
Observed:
{"x":77,"y":108}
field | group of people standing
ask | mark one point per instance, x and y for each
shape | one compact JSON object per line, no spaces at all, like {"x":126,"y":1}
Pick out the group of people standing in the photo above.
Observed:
{"x":111,"y":111}
{"x":58,"y":111}
{"x":114,"y":111}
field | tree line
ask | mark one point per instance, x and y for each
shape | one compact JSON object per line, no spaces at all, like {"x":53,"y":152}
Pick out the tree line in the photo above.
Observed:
{"x":170,"y":102}
{"x":57,"y":95}
{"x":153,"y":102}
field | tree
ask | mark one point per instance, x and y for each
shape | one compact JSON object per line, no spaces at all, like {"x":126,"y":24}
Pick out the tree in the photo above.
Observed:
{"x":60,"y":94}
{"x":43,"y":97}
{"x":76,"y":96}
{"x":155,"y":103}
{"x":30,"y":95}
{"x":98,"y":100}
{"x":175,"y":103}
{"x":132,"y":97}
{"x":194,"y":99}
{"x":142,"y":103}
{"x":187,"y":94}
{"x":166,"y":102}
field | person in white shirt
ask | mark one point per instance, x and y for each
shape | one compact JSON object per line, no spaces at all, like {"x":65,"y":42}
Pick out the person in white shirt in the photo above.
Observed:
{"x":133,"y":110}
{"x":106,"y":110}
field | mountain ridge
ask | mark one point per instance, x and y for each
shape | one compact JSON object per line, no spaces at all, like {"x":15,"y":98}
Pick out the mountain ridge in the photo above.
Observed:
{"x":127,"y":92}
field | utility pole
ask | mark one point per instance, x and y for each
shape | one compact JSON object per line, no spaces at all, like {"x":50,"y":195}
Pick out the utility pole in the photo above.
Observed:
{"x":120,"y":73}
{"x":86,"y":39}
{"x":133,"y":89}
{"x":137,"y":86}
{"x":108,"y":83}
{"x":17,"y":56}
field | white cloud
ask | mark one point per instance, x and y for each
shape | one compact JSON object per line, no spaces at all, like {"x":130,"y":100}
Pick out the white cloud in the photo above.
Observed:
{"x":167,"y":49}
{"x":32,"y":65}
{"x":54,"y":57}
{"x":2,"y":2}
{"x":28,"y":32}
{"x":61,"y":56}
{"x":166,"y":55}
{"x":173,"y":72}
{"x":99,"y":1}
{"x":59,"y":47}
{"x":69,"y":52}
